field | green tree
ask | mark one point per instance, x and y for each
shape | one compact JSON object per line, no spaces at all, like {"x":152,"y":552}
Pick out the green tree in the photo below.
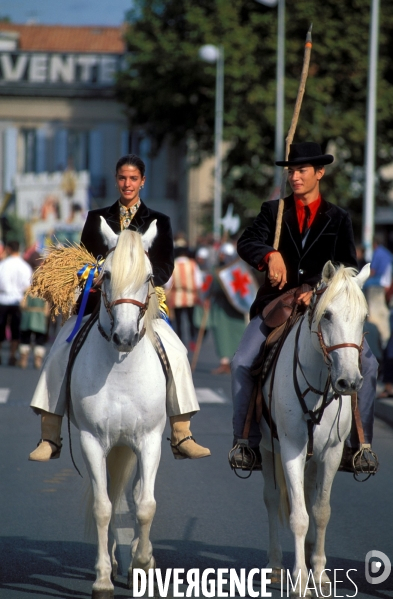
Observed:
{"x":169,"y":91}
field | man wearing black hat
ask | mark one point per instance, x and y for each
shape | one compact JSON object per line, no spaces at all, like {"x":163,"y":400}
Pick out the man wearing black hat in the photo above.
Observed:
{"x":313,"y":232}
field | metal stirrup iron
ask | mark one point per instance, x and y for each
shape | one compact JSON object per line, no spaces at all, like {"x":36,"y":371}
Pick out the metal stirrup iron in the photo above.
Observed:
{"x":244,"y":451}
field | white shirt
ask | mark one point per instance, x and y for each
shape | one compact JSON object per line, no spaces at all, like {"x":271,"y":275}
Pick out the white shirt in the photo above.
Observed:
{"x":15,"y":278}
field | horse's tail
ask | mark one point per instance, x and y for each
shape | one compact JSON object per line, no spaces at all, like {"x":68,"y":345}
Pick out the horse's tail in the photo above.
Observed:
{"x":284,"y":509}
{"x":120,"y":465}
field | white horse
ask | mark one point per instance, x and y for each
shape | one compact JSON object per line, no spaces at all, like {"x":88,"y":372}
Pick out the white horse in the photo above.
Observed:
{"x":118,"y":391}
{"x":337,"y":312}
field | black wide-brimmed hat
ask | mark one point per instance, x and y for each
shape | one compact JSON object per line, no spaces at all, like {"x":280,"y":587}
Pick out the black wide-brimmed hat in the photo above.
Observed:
{"x":307,"y":152}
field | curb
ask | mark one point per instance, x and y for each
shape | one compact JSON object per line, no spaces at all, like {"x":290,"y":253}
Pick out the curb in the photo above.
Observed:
{"x":384,"y":410}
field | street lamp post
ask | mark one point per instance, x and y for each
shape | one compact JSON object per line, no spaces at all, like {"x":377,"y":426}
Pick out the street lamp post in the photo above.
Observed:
{"x":212,"y":54}
{"x":369,"y":190}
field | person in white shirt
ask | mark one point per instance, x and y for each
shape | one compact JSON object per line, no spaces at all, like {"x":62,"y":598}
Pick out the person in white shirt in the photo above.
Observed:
{"x":15,"y":278}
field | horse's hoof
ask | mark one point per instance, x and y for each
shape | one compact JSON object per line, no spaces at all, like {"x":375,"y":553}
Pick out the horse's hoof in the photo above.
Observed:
{"x":102,"y":594}
{"x":324,"y":589}
{"x":275,"y":575}
{"x":151,"y":566}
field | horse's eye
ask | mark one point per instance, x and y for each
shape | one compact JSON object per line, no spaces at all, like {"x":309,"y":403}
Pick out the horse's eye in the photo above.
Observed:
{"x":106,"y":276}
{"x":327,"y":315}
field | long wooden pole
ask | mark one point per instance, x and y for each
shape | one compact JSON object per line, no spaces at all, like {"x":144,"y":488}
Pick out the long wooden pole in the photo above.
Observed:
{"x":201,"y":335}
{"x":291,"y":133}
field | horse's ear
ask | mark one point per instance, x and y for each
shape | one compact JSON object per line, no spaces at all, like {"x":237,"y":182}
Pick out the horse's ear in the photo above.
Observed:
{"x":362,"y":277}
{"x":328,"y":272}
{"x":149,"y":236}
{"x":109,"y":236}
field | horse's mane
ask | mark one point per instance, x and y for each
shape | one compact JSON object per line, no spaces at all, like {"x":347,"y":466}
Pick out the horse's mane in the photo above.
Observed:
{"x":129,"y":272}
{"x":342,"y":282}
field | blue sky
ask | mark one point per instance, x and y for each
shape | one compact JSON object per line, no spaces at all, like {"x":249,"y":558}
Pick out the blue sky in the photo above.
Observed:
{"x":66,"y":12}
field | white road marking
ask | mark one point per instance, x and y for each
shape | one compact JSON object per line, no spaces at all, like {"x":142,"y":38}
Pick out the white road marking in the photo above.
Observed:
{"x":4,"y":393}
{"x":206,"y":395}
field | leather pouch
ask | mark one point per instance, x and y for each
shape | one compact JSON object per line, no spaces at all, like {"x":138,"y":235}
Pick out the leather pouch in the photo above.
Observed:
{"x":279,"y":310}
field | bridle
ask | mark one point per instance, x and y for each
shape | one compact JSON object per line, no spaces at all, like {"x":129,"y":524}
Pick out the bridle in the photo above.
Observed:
{"x":314,"y":417}
{"x":143,"y":306}
{"x":327,"y":349}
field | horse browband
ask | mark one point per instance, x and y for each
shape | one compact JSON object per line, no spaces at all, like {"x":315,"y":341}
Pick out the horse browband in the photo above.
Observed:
{"x":109,"y":305}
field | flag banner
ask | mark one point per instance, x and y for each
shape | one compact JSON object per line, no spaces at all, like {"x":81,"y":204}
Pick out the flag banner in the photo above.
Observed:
{"x":239,"y":285}
{"x":204,"y":291}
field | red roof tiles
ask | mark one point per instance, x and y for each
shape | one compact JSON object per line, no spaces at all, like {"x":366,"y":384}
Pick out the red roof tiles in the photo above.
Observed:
{"x":59,"y":38}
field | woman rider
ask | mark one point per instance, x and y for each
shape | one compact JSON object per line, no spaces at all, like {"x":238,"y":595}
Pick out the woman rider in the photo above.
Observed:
{"x":49,"y":400}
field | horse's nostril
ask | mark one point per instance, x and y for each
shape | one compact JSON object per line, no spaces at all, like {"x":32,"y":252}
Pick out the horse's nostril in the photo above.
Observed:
{"x":343,"y":383}
{"x":116,"y":339}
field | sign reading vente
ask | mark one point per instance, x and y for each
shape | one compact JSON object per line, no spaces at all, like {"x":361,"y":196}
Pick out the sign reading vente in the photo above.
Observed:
{"x":41,"y":67}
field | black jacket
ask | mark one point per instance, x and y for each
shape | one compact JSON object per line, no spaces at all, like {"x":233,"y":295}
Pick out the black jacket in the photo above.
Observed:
{"x":330,"y":238}
{"x":160,"y":253}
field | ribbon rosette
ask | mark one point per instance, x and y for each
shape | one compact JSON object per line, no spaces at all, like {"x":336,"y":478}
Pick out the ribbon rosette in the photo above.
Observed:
{"x":86,"y":277}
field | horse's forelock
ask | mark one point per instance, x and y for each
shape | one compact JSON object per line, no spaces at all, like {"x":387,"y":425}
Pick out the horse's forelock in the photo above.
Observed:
{"x":128,"y":264}
{"x":342,"y":282}
{"x":128,"y":271}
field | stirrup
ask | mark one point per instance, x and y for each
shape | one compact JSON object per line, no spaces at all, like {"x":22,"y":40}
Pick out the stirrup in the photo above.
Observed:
{"x":364,"y":461}
{"x":56,"y":452}
{"x":242,"y":457}
{"x":175,"y":447}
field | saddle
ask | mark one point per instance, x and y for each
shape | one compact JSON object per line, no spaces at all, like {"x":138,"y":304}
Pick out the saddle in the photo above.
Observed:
{"x":277,"y":312}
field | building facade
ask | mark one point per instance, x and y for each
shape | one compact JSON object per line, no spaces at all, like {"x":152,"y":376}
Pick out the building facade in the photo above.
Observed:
{"x":58,"y":113}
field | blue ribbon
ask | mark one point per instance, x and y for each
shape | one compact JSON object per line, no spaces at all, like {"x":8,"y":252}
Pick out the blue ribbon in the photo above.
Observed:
{"x":165,"y":317}
{"x":86,"y":291}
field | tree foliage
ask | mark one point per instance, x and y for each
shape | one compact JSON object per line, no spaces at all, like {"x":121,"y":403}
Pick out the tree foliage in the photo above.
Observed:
{"x":170,"y":92}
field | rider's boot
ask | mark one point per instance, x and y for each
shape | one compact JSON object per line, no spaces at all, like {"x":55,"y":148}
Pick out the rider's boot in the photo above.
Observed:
{"x":243,"y":456}
{"x":183,"y":443}
{"x":49,"y":445}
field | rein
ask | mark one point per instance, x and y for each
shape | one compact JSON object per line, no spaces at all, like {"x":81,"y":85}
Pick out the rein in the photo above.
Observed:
{"x":315,"y":416}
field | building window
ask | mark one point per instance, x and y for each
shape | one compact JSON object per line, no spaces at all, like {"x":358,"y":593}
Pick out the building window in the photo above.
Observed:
{"x":30,"y":146}
{"x":78,"y":149}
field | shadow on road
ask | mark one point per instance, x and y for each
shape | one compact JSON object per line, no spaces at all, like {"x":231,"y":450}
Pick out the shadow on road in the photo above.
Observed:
{"x":62,"y":569}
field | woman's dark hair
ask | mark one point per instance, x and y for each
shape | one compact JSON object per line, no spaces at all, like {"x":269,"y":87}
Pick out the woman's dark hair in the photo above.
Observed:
{"x":131,"y":160}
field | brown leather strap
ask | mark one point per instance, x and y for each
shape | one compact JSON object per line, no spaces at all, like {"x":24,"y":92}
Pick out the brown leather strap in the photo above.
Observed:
{"x":356,"y":415}
{"x":340,"y":345}
{"x":128,"y":301}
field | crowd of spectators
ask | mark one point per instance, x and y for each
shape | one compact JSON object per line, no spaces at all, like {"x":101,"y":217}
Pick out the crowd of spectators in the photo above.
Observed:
{"x":23,"y":319}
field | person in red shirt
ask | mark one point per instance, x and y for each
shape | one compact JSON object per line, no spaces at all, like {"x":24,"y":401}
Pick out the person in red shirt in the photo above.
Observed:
{"x":313,"y":231}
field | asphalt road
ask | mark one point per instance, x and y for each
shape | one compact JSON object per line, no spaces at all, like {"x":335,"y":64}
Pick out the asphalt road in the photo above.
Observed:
{"x":206,"y":517}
